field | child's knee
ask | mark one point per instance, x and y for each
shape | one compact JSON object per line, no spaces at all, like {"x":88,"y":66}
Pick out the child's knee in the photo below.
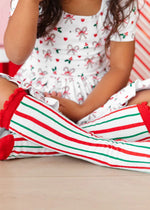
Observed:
{"x":6,"y":89}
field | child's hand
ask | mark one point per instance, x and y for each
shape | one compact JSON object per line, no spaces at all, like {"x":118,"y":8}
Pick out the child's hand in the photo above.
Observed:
{"x":70,"y":109}
{"x":67,"y":107}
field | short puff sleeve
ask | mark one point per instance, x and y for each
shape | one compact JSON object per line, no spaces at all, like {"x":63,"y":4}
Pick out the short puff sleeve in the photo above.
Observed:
{"x":13,"y":6}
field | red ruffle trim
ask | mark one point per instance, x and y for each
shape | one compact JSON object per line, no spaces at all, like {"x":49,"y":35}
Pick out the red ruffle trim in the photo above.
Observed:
{"x":145,"y":114}
{"x":10,"y":106}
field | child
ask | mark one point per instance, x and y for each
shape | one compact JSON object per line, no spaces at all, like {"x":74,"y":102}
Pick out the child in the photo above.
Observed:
{"x":82,"y":56}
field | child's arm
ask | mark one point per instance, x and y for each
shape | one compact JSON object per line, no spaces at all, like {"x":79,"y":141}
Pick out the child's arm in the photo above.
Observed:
{"x":121,"y":60}
{"x":21,"y":31}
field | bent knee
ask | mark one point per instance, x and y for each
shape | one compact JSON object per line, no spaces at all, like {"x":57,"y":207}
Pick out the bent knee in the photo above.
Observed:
{"x":6,"y":89}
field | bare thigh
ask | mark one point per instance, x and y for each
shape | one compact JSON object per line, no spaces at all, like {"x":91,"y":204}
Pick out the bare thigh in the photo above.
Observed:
{"x":141,"y":96}
{"x":6,"y":89}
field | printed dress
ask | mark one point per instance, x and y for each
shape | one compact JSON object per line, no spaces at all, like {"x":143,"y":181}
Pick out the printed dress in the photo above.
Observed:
{"x":72,"y":60}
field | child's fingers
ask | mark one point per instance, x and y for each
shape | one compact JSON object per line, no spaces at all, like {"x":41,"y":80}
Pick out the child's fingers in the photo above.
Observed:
{"x":47,"y":94}
{"x":53,"y":94}
{"x":59,"y":94}
{"x":56,"y":94}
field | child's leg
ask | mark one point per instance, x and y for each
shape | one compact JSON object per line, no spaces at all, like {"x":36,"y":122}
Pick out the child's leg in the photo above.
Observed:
{"x":14,"y":146}
{"x":24,"y":149}
{"x":124,"y":124}
{"x":41,"y":124}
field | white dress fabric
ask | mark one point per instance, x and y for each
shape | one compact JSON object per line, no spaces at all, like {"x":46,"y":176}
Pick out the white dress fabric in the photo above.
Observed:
{"x":71,"y":59}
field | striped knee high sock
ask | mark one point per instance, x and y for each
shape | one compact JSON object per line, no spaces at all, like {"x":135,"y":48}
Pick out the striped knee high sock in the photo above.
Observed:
{"x":14,"y":146}
{"x":36,"y":121}
{"x":124,"y":124}
{"x":24,"y":149}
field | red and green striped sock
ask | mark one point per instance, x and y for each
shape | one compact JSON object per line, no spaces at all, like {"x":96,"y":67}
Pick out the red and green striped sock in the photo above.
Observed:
{"x":42,"y":125}
{"x":24,"y":149}
{"x":124,"y":124}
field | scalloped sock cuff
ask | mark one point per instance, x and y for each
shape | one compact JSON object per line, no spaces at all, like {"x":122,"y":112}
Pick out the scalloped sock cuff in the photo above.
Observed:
{"x":10,"y":106}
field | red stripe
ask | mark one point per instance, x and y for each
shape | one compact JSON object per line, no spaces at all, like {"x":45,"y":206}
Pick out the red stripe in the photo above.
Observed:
{"x":142,"y":46}
{"x":35,"y":153}
{"x":146,"y":18}
{"x":147,"y":139}
{"x":143,"y":31}
{"x":118,"y":128}
{"x":90,"y":158}
{"x":20,"y":139}
{"x":148,"y":3}
{"x":142,"y":61}
{"x":137,"y":72}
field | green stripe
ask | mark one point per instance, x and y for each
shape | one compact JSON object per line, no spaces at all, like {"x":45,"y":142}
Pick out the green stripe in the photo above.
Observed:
{"x":102,"y":154}
{"x":12,"y":156}
{"x":127,"y":137}
{"x":29,"y":147}
{"x":107,"y":121}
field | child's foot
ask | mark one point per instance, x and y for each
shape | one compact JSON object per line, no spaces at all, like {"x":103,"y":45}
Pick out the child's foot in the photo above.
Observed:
{"x":6,"y":146}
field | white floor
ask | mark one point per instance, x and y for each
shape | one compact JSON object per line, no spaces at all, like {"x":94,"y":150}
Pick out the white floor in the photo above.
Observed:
{"x":63,"y":183}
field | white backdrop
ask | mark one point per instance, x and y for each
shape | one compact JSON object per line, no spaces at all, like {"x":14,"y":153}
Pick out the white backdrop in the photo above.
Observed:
{"x":4,"y":13}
